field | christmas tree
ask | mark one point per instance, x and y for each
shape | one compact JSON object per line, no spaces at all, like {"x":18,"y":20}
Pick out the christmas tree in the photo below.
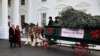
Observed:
{"x":75,"y":19}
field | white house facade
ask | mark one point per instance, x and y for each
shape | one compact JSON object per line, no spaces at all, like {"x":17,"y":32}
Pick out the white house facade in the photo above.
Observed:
{"x":38,"y":11}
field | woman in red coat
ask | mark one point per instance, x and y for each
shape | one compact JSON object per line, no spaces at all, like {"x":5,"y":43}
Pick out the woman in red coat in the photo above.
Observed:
{"x":18,"y":36}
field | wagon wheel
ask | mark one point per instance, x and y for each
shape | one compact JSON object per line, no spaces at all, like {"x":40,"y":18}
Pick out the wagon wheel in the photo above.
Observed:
{"x":45,"y":44}
{"x":79,"y":50}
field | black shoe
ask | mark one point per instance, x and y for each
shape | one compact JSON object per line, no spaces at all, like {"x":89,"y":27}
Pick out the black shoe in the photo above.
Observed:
{"x":14,"y":45}
{"x":19,"y":46}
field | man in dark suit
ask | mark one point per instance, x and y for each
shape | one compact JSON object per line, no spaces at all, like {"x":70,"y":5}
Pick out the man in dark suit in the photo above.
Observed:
{"x":12,"y":37}
{"x":50,"y":21}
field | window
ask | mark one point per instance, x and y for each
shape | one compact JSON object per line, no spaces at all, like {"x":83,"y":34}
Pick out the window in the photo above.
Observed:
{"x":22,"y":20}
{"x":9,"y":3}
{"x":43,"y":0}
{"x":43,"y":18}
{"x":22,"y":2}
{"x":9,"y":20}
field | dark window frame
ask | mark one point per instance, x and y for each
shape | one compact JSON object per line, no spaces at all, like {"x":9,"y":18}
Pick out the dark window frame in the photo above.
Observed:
{"x":22,"y":2}
{"x":43,"y":17}
{"x":9,"y":3}
{"x":43,"y":0}
{"x":22,"y":20}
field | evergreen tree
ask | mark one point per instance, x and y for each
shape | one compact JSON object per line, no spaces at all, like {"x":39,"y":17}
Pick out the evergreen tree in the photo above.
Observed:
{"x":76,"y":19}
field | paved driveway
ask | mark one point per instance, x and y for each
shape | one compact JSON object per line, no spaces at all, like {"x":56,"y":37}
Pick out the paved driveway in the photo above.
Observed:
{"x":37,"y":51}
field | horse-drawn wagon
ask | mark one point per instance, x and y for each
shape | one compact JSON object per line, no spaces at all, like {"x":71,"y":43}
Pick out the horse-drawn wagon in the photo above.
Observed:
{"x":75,"y":26}
{"x":91,"y":36}
{"x":85,"y":36}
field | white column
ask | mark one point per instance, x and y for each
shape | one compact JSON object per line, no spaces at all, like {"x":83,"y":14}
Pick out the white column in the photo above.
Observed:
{"x":29,"y":11}
{"x":16,"y":18}
{"x":5,"y":19}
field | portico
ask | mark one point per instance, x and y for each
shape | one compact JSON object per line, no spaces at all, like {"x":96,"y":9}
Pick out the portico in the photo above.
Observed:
{"x":4,"y":17}
{"x":39,"y":11}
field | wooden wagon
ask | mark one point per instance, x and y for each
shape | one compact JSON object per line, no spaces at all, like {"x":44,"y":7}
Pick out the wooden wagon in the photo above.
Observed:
{"x":86,"y":35}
